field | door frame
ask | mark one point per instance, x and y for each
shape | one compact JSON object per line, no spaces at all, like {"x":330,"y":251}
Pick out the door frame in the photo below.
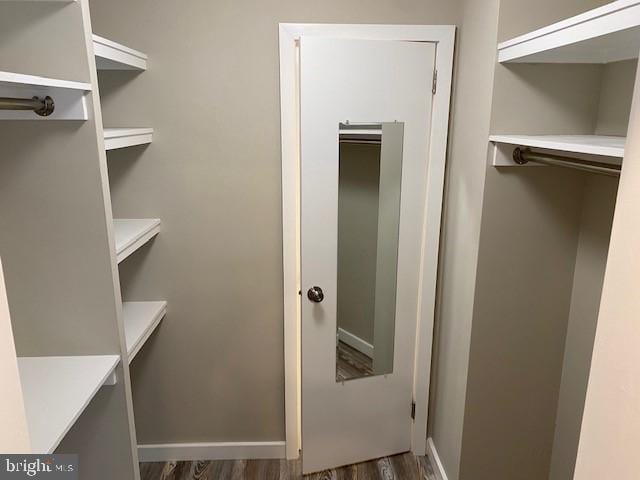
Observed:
{"x":444,"y":38}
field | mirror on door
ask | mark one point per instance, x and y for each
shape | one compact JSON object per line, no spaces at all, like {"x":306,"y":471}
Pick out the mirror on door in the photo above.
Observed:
{"x":369,"y":181}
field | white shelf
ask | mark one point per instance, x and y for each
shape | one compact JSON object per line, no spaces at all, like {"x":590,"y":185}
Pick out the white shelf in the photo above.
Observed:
{"x":115,"y":138}
{"x":606,"y":34}
{"x":11,"y":78}
{"x":69,"y":96}
{"x":140,"y":320}
{"x":57,"y":390}
{"x":131,"y":234}
{"x":584,"y":144}
{"x":113,"y":56}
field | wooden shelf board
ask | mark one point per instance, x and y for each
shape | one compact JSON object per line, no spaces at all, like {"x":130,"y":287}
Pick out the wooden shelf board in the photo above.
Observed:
{"x":584,"y":144}
{"x":140,"y":320}
{"x":606,"y":34}
{"x":131,"y":234}
{"x":114,"y":56}
{"x":57,"y":390}
{"x":115,"y":138}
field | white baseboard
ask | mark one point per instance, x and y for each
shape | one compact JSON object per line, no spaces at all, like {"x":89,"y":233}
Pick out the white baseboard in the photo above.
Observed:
{"x":355,"y":342}
{"x":164,"y":452}
{"x":438,"y":468}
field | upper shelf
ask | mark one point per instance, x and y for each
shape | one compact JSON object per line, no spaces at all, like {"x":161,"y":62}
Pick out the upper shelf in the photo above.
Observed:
{"x":114,"y":56}
{"x":131,"y":234}
{"x":140,"y":320}
{"x":606,"y":34}
{"x":126,"y":137}
{"x":57,"y":390}
{"x":584,"y":144}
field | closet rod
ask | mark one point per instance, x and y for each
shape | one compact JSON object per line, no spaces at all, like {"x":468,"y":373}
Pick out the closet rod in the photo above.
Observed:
{"x":361,"y":142}
{"x":42,"y":106}
{"x":524,"y":156}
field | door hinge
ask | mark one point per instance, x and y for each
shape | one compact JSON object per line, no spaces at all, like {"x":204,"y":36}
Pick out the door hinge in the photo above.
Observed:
{"x":434,"y":88}
{"x":413,"y":410}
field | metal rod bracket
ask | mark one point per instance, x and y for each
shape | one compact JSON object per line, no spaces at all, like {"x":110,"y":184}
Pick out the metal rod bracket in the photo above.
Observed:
{"x":40,"y":106}
{"x":518,"y":156}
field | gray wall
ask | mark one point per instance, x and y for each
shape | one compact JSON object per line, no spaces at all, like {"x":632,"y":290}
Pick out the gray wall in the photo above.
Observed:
{"x":214,"y":369}
{"x":358,"y":194}
{"x":591,"y":260}
{"x":615,"y":98}
{"x":520,"y":16}
{"x":461,"y":227}
{"x":525,"y":272}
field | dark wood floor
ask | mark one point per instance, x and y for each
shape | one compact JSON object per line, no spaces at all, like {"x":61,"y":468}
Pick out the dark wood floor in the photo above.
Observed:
{"x":351,"y":363}
{"x":398,"y":467}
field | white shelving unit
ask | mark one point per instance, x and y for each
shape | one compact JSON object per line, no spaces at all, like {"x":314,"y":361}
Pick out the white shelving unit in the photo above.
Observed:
{"x":585,"y":144}
{"x":604,"y":149}
{"x":115,"y":138}
{"x":11,"y":78}
{"x":140,"y":320}
{"x":114,"y":56}
{"x":57,"y":390}
{"x":56,"y":399}
{"x":69,"y":96}
{"x":131,"y":234}
{"x":606,"y":34}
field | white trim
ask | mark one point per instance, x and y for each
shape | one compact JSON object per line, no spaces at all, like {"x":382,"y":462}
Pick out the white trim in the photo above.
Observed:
{"x":290,"y":237}
{"x":164,"y":452}
{"x":355,"y":342}
{"x":438,"y":468}
{"x":444,"y":37}
{"x":431,"y":235}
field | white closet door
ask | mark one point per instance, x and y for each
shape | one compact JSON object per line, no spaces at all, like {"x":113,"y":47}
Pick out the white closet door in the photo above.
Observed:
{"x":361,"y":82}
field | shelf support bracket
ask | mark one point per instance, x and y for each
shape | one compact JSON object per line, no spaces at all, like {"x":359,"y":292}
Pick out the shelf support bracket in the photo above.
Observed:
{"x":112,"y":379}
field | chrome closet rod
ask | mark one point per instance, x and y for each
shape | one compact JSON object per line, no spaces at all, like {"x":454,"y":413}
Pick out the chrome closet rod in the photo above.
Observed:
{"x":524,"y":156}
{"x":42,"y":106}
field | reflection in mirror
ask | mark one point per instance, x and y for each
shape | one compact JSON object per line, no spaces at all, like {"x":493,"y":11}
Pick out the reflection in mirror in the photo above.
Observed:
{"x":370,"y":171}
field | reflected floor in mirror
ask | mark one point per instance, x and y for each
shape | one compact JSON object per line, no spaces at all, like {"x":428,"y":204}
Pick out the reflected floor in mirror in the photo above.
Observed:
{"x":351,"y":363}
{"x":399,"y":467}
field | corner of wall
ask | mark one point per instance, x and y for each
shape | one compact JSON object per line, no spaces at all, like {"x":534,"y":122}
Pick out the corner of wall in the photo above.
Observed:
{"x":472,"y":98}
